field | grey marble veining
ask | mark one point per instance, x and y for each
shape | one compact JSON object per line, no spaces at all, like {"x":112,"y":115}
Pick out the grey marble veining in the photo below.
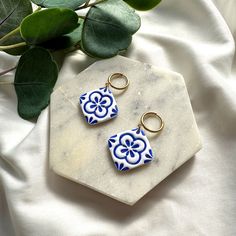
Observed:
{"x":79,"y":151}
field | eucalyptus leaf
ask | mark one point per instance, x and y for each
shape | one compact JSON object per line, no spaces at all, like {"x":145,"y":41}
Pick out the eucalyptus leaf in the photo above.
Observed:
{"x":108,"y":28}
{"x":76,"y":35}
{"x":67,"y":40}
{"x":35,"y":78}
{"x":72,"y":4}
{"x":12,"y":12}
{"x":143,"y":5}
{"x":45,"y":25}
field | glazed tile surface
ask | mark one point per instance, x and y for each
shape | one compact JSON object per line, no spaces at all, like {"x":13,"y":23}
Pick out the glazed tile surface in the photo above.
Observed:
{"x":130,"y":149}
{"x":98,"y":105}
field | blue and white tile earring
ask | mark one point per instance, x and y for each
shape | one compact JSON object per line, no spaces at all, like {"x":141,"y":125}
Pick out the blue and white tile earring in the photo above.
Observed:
{"x":131,"y":148}
{"x":99,"y":105}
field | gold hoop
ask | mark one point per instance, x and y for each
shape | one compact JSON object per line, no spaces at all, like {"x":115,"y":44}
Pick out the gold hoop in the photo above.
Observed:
{"x":117,"y":75}
{"x":151,"y":113}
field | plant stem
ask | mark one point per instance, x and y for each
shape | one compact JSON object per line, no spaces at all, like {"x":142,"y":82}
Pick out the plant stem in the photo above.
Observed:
{"x":16,"y":30}
{"x":8,"y":70}
{"x":90,"y":5}
{"x":2,"y":48}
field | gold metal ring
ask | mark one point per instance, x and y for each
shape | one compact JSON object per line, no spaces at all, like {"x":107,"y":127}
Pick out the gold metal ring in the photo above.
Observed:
{"x":117,"y":75}
{"x":151,"y":113}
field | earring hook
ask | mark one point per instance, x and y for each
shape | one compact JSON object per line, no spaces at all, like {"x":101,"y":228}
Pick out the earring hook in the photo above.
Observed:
{"x":116,"y":76}
{"x":148,"y":114}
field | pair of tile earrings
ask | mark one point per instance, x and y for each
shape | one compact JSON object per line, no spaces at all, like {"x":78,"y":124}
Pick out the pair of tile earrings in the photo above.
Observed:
{"x":131,"y":148}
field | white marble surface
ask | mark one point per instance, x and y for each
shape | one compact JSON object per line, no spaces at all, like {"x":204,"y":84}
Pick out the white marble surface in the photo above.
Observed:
{"x":79,"y":151}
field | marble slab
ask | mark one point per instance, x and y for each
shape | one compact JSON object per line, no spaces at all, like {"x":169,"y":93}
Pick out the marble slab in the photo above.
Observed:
{"x":79,"y":151}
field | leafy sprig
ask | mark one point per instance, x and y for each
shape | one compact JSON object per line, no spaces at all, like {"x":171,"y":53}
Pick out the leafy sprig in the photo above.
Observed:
{"x":104,"y":32}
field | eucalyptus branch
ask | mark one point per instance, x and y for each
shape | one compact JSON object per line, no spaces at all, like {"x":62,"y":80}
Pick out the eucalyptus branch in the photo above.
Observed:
{"x":8,"y":70}
{"x":17,"y":45}
{"x":42,"y":42}
{"x":90,"y":4}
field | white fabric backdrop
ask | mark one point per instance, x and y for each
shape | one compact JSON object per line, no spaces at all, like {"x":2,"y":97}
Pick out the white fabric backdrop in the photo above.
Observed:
{"x":193,"y":37}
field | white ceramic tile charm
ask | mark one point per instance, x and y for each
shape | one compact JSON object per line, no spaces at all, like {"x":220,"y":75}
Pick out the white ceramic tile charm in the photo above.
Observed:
{"x":130,"y":149}
{"x":99,"y":105}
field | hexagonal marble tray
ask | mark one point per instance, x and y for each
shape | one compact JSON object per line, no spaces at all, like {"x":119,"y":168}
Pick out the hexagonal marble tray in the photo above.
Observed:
{"x":79,"y":151}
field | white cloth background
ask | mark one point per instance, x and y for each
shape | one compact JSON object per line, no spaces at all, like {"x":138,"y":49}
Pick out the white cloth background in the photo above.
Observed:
{"x":193,"y":37}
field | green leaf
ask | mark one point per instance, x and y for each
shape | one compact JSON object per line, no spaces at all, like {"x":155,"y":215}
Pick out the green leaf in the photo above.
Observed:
{"x":72,"y":4}
{"x":11,"y":14}
{"x":143,"y":5}
{"x":75,"y":35}
{"x":67,"y":40}
{"x":35,"y":78}
{"x":48,"y":24}
{"x":108,"y":28}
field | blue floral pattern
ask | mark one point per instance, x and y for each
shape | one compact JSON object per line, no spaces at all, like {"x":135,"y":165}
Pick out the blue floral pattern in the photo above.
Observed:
{"x":130,"y":149}
{"x":98,"y":105}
